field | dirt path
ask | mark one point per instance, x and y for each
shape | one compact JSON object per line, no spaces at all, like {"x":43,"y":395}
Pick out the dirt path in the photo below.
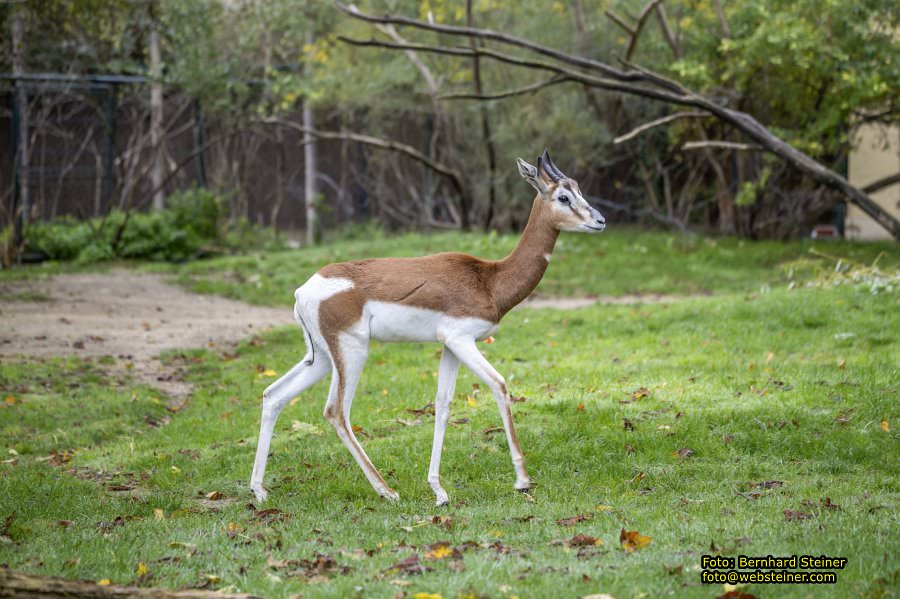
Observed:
{"x":130,"y":316}
{"x":133,"y":317}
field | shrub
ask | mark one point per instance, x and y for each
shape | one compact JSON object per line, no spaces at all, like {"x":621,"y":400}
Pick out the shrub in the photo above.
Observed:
{"x":193,"y":225}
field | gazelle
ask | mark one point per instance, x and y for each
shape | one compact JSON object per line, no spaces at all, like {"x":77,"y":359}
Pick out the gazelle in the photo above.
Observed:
{"x":454,"y":299}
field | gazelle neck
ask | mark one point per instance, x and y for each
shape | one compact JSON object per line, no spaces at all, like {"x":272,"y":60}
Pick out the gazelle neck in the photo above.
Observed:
{"x":520,"y":272}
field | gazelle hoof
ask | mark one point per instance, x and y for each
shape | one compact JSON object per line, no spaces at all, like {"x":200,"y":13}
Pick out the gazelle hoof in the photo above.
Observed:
{"x":390,"y":495}
{"x":523,"y":485}
{"x":260,"y":492}
{"x":442,"y":498}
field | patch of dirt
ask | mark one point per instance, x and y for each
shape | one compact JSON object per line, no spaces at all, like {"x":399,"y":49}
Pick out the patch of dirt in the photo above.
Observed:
{"x":573,"y":303}
{"x":130,"y":316}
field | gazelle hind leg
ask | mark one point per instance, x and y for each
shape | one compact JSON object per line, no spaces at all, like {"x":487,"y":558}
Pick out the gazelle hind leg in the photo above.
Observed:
{"x":348,"y":367}
{"x":467,"y":352}
{"x":446,"y":386}
{"x":299,"y":378}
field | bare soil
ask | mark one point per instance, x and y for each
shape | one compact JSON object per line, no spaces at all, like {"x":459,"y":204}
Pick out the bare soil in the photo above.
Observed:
{"x":132,"y":317}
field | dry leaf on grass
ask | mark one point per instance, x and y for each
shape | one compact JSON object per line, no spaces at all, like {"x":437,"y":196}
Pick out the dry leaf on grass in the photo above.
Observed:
{"x":632,"y":540}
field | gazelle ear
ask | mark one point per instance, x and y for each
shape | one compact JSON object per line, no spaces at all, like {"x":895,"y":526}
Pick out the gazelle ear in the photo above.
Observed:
{"x":530,"y":173}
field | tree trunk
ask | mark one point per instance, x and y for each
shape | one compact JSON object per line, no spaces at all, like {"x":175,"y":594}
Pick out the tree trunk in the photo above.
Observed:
{"x":156,"y":117}
{"x":20,"y":216}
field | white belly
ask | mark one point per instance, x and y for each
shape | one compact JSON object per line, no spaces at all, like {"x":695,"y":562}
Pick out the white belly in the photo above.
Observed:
{"x":394,"y":322}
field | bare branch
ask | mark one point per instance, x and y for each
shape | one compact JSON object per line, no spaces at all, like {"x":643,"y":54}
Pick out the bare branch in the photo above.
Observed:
{"x":723,"y":22}
{"x":882,"y":183}
{"x":728,"y":145}
{"x":656,"y":123}
{"x":671,"y":40}
{"x":385,"y":144}
{"x":578,"y":61}
{"x":556,"y":80}
{"x":634,"y":33}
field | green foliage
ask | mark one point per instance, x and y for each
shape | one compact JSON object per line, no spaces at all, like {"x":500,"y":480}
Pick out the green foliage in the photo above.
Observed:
{"x":193,"y":225}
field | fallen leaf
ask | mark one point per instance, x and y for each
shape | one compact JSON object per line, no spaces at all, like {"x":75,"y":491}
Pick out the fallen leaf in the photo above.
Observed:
{"x":271,"y":515}
{"x":214,"y":495}
{"x":627,"y":424}
{"x":582,"y":540}
{"x":104,"y":582}
{"x":489,"y":340}
{"x":572,"y":520}
{"x":142,"y":569}
{"x":400,"y":583}
{"x":471,"y":401}
{"x":159,"y":513}
{"x":442,"y":550}
{"x":842,"y":364}
{"x":604,"y":508}
{"x":735,"y":594}
{"x":639,"y":394}
{"x":10,"y":400}
{"x":434,"y":595}
{"x":598,"y":596}
{"x":684,"y":453}
{"x":629,"y":448}
{"x":770,"y":356}
{"x":885,"y":426}
{"x":632,"y":540}
{"x":409,"y":565}
{"x":580,"y":407}
{"x":795,"y":515}
{"x":637,"y":477}
{"x":232,"y":529}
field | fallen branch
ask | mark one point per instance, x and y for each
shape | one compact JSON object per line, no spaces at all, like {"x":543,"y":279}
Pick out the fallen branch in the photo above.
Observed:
{"x":30,"y":586}
{"x":880,"y":184}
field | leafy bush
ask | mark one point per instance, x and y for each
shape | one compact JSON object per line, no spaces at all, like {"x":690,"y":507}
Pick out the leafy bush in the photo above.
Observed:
{"x":193,"y":225}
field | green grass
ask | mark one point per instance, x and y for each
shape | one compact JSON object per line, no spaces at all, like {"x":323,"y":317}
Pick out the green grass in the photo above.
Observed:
{"x":623,"y":261}
{"x":790,"y":386}
{"x":760,"y":383}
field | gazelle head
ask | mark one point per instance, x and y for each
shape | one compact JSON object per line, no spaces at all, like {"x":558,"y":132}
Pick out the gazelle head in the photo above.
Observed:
{"x":564,"y":205}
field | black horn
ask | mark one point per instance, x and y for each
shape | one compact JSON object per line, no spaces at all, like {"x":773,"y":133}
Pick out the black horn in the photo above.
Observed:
{"x":551,"y":168}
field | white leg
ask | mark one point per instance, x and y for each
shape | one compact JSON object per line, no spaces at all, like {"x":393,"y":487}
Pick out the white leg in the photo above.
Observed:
{"x":446,"y":386}
{"x":347,"y":370}
{"x":299,"y":378}
{"x":468,"y":354}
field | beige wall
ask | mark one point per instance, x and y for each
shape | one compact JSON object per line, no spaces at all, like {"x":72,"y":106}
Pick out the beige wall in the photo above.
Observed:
{"x":875,"y":155}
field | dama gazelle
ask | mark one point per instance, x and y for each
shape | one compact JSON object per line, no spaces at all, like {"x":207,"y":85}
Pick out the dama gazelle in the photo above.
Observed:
{"x":454,"y":299}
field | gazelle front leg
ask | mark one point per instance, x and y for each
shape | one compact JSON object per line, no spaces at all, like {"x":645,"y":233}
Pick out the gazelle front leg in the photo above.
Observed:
{"x":468,"y":354}
{"x":446,"y":386}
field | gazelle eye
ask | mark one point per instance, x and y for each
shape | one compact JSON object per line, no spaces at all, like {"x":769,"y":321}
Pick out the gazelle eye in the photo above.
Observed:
{"x":563,"y":199}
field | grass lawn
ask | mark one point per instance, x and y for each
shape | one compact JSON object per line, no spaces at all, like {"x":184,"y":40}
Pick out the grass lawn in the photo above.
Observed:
{"x":696,"y":424}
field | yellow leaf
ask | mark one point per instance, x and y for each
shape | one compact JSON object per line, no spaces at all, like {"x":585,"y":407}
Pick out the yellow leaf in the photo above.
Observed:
{"x":104,"y":582}
{"x":885,"y":426}
{"x":428,"y":596}
{"x":159,"y":514}
{"x":842,"y":364}
{"x":770,"y":356}
{"x":384,"y":391}
{"x":604,"y":508}
{"x":269,"y":372}
{"x":632,"y":540}
{"x":142,"y":569}
{"x":471,"y":401}
{"x":580,"y":407}
{"x":439,"y":552}
{"x":175,"y":470}
{"x":10,"y":400}
{"x":496,"y":533}
{"x":489,"y":340}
